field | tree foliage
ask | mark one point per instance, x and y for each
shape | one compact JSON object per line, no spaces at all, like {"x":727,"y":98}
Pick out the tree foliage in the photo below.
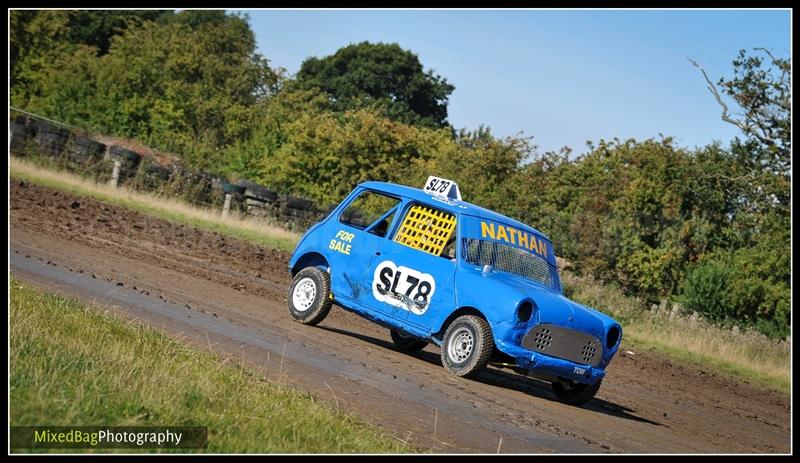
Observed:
{"x":382,"y":75}
{"x":327,"y":153}
{"x":190,"y":84}
{"x":96,"y":28}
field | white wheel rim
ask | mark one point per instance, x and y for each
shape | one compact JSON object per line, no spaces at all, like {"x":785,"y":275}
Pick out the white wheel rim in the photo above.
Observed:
{"x":305,"y":291}
{"x":460,"y":345}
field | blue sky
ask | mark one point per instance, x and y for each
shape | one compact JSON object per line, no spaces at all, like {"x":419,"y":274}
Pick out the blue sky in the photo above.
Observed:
{"x":563,"y":77}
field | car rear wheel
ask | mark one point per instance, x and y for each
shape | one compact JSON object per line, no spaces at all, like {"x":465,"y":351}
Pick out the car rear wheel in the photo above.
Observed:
{"x":406,"y":342}
{"x":467,"y":346}
{"x":310,"y":296}
{"x":573,"y":393}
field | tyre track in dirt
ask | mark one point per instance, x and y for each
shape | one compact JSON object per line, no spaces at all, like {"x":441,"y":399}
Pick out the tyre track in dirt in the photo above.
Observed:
{"x":219,"y":291}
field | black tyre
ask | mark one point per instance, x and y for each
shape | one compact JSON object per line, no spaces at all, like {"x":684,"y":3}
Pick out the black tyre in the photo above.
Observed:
{"x":310,"y":297}
{"x":258,"y":192}
{"x":573,"y":393}
{"x":232,"y":188}
{"x":467,"y":346}
{"x":298,"y":213}
{"x":406,"y":342}
{"x":254,"y":202}
{"x":21,"y":120}
{"x":18,"y":129}
{"x":51,"y":138}
{"x":158,"y":171}
{"x":125,"y":155}
{"x":299,"y":203}
{"x":261,"y":194}
{"x":85,"y":148}
{"x":20,"y":137}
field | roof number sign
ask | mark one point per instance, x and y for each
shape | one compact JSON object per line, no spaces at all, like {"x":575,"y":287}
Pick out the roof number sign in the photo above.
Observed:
{"x":442,"y":187}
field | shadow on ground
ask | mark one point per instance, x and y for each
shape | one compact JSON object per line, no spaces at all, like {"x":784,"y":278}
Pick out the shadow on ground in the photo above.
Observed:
{"x":502,"y":378}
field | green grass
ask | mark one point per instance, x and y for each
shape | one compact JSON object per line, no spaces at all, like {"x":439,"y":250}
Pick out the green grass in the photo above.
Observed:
{"x":746,"y":355}
{"x":250,"y":229}
{"x":73,"y":365}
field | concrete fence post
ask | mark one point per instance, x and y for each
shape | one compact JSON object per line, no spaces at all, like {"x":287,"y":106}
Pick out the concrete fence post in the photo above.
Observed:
{"x":226,"y":208}
{"x":115,"y":173}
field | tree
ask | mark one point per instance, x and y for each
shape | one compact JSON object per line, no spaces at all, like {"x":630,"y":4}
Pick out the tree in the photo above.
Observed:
{"x":189,"y":84}
{"x":743,"y":201}
{"x":764,"y":97}
{"x":380,"y":75}
{"x":188,"y":90}
{"x":325,"y":154}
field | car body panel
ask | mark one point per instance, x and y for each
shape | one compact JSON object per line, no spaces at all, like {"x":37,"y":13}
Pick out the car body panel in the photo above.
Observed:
{"x":387,"y":282}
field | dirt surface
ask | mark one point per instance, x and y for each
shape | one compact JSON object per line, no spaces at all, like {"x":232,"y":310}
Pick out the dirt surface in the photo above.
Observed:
{"x":230,"y":296}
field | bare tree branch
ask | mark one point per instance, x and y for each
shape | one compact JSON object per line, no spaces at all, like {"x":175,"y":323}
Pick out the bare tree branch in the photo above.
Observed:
{"x":768,"y":52}
{"x":725,"y":114}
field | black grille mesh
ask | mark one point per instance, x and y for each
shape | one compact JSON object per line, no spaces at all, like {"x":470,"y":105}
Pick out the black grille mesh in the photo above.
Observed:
{"x":510,"y":259}
{"x":564,"y":343}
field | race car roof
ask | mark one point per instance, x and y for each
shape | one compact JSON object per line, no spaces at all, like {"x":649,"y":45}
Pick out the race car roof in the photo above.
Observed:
{"x":451,"y":205}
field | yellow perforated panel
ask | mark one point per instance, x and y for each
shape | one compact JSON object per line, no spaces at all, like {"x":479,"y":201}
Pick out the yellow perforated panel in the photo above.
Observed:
{"x":426,"y":229}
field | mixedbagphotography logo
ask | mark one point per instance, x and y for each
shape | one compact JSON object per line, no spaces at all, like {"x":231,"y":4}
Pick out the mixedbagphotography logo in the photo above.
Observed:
{"x":109,"y":437}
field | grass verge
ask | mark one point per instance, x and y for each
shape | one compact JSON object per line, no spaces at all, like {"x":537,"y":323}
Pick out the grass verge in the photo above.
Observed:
{"x":72,"y":365}
{"x":250,"y":229}
{"x":745,"y":355}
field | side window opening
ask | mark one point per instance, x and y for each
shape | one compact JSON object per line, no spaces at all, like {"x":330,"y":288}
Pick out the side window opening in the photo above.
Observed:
{"x":370,"y":211}
{"x":429,"y":230}
{"x":381,"y":226}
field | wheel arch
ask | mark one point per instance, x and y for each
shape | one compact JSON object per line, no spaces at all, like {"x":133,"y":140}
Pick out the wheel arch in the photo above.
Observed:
{"x":465,"y":310}
{"x":310,"y":259}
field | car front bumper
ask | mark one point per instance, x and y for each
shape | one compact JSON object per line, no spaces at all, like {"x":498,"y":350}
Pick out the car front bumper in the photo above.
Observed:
{"x":547,"y":365}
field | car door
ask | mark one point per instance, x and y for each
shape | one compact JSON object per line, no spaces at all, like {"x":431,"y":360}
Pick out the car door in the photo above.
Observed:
{"x":412,"y":275}
{"x":361,"y":228}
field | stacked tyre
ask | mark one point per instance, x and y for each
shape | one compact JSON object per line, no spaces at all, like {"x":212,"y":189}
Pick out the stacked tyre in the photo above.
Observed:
{"x":128,"y":159}
{"x":299,"y":213}
{"x":236,"y":192}
{"x":297,"y":207}
{"x":52,"y":139}
{"x":233,"y":189}
{"x":85,"y":149}
{"x":259,"y":199}
{"x":21,"y":135}
{"x":153,"y":176}
{"x":159,"y":172}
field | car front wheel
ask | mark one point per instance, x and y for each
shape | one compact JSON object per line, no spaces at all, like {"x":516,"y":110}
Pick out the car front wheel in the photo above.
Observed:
{"x":310,"y":296}
{"x":467,"y":346}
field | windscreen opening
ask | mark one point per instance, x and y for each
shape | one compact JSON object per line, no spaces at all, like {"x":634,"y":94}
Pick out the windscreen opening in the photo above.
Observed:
{"x":510,"y":259}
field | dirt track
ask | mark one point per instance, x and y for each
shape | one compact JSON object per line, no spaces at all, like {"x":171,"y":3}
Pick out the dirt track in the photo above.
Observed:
{"x":224,"y":293}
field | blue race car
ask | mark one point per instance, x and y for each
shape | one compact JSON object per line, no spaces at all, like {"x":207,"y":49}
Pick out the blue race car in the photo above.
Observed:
{"x":435,"y":269}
